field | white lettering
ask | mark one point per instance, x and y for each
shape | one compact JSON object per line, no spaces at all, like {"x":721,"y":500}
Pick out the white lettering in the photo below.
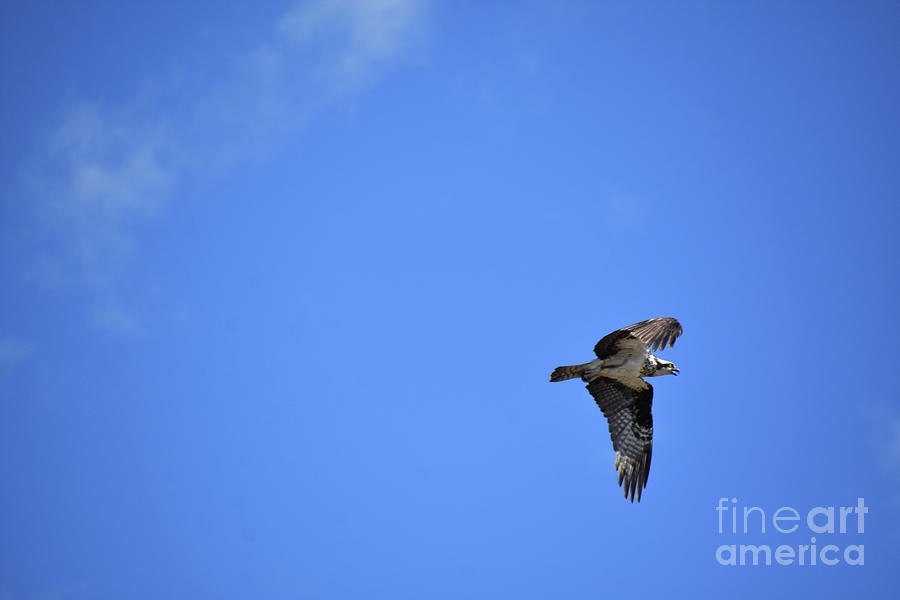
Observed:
{"x":776,"y":518}
{"x":732,"y":555}
{"x":828,"y":527}
{"x":784,"y":555}
{"x":828,"y":561}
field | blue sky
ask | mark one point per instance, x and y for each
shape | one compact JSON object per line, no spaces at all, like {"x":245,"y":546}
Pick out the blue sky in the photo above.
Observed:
{"x":283,"y":287}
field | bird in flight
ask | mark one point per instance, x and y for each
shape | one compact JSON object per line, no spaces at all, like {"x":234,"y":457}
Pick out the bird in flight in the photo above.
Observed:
{"x":615,"y":380}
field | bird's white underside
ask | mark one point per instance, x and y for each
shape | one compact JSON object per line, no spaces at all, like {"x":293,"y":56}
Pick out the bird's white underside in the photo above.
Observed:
{"x":625,"y":366}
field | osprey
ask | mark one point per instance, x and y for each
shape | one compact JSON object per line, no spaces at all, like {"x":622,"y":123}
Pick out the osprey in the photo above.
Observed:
{"x":615,"y":380}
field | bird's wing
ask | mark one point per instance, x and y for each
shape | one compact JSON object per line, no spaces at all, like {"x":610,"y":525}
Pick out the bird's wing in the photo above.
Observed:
{"x":655,"y":333}
{"x":627,"y":410}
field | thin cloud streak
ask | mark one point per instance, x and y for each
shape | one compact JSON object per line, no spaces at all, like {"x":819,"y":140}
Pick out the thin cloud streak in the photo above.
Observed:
{"x":357,"y":36}
{"x":106,"y":169}
{"x":114,"y":318}
{"x":102,"y":172}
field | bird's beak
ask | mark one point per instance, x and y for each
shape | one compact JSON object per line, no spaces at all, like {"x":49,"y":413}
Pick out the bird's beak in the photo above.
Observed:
{"x":674,"y":370}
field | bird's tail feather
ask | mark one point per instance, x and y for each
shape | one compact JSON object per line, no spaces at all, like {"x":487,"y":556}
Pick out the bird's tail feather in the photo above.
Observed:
{"x":567,"y":372}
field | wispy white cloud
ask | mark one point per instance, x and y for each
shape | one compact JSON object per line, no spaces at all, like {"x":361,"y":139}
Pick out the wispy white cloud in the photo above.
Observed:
{"x":104,"y":170}
{"x":111,"y":316}
{"x":356,"y":37}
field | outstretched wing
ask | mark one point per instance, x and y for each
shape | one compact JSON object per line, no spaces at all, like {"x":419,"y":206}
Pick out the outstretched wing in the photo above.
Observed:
{"x":631,"y":428}
{"x":654,"y":333}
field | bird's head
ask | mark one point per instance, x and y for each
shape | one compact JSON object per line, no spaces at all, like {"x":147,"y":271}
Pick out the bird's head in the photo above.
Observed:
{"x":664,"y":367}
